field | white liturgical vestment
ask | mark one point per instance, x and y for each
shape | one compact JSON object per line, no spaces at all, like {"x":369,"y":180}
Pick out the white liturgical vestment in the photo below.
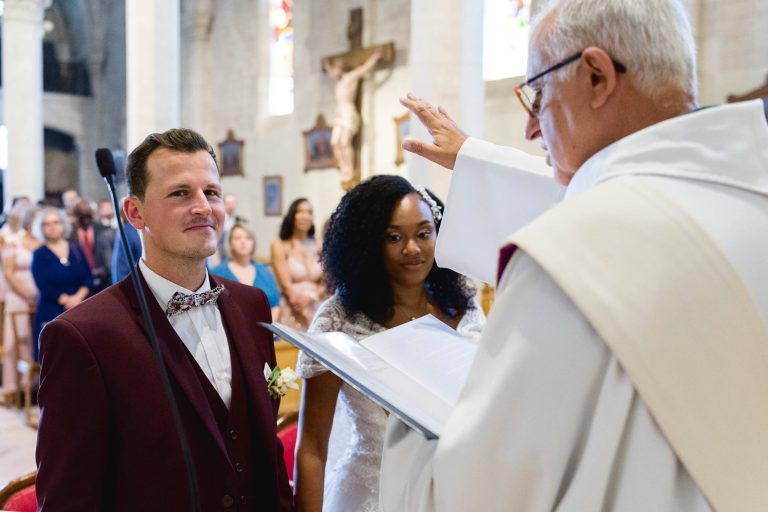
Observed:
{"x":548,"y":419}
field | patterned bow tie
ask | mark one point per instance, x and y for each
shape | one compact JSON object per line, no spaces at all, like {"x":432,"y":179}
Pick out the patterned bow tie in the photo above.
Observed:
{"x":181,"y":302}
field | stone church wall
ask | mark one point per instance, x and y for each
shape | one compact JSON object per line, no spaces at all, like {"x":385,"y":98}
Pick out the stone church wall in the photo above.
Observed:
{"x":731,"y":39}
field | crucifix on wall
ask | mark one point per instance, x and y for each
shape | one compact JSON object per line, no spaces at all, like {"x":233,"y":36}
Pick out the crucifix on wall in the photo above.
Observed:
{"x":348,"y":70}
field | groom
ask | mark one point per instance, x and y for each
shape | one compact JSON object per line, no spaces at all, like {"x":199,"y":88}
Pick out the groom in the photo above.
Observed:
{"x":107,"y":440}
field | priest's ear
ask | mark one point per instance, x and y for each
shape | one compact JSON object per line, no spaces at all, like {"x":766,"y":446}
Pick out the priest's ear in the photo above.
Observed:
{"x":602,"y":75}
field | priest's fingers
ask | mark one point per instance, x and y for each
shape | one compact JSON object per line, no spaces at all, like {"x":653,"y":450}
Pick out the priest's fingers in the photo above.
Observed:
{"x":450,"y":120}
{"x":431,"y":152}
{"x":421,"y":108}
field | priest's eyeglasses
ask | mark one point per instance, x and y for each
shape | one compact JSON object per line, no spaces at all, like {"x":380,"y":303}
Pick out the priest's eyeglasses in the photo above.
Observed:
{"x":530,"y":97}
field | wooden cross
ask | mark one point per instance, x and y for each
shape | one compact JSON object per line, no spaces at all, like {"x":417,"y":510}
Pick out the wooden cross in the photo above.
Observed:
{"x":357,"y":54}
{"x":355,"y":57}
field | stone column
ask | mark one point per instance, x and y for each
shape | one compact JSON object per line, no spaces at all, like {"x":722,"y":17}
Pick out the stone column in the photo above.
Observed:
{"x":195,"y":88}
{"x":23,"y":97}
{"x":446,"y":67}
{"x":152,"y":67}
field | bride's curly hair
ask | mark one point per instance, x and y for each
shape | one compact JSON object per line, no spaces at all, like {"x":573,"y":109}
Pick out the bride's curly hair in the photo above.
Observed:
{"x":353,"y":253}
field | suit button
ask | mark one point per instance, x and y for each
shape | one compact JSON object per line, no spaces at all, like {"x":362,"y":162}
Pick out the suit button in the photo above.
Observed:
{"x":243,"y":500}
{"x":227,"y":500}
{"x":239,"y":467}
{"x":233,"y":434}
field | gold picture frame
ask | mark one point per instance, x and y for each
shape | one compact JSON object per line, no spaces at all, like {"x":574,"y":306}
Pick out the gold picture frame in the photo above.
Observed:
{"x":318,"y":152}
{"x":273,"y":196}
{"x":231,"y":155}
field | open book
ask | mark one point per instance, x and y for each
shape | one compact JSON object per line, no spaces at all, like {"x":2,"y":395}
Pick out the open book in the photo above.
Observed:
{"x":415,"y":371}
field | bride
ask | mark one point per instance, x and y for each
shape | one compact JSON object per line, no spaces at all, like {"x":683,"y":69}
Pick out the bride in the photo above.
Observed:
{"x":378,"y":254}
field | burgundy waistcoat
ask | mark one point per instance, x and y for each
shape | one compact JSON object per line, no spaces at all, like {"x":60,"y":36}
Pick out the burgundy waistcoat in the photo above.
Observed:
{"x":243,"y":484}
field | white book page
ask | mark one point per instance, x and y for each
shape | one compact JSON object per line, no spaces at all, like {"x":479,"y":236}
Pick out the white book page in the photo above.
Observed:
{"x":383,"y":383}
{"x":428,"y":351}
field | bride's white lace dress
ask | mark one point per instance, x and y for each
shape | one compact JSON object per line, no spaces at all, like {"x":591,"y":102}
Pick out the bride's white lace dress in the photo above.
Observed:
{"x":354,"y":454}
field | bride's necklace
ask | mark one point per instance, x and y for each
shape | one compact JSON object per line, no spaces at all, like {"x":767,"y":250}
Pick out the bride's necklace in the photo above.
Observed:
{"x":412,"y":315}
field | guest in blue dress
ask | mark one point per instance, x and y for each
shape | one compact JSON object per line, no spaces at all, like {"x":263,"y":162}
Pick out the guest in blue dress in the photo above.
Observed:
{"x":241,"y":266}
{"x":60,"y":271}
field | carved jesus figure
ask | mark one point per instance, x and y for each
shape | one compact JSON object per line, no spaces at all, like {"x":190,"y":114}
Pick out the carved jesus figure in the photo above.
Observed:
{"x":346,"y":120}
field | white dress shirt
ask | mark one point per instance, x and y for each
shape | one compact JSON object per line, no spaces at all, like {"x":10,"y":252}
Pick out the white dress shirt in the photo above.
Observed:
{"x":201,"y":330}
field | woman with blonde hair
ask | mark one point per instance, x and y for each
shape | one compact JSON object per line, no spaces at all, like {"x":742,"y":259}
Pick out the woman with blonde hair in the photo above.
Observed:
{"x":240,"y":266}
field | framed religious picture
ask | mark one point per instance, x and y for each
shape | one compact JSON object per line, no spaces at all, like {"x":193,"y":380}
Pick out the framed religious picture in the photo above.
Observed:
{"x":318,"y":152}
{"x":402,"y":130}
{"x":231,"y":155}
{"x":273,"y":196}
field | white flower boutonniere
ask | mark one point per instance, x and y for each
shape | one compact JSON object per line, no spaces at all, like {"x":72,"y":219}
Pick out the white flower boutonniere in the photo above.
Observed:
{"x":280,"y":381}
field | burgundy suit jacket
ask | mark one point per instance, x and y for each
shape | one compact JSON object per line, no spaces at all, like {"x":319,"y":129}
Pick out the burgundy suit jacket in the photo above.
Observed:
{"x":107,"y":440}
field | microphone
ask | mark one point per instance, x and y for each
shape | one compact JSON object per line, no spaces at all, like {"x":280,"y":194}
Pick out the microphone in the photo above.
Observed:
{"x":106,"y":164}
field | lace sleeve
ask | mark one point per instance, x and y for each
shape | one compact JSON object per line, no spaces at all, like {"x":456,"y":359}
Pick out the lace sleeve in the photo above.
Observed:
{"x":473,"y":321}
{"x":329,"y":318}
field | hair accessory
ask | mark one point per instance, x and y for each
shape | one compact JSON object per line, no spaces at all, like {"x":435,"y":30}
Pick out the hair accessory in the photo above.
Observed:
{"x":436,"y":209}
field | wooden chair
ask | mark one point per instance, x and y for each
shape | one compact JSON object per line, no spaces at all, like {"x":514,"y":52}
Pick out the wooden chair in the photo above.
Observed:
{"x":19,"y":494}
{"x":25,"y":366}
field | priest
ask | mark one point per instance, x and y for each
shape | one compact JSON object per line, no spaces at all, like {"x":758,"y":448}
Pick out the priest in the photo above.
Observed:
{"x":624,"y":364}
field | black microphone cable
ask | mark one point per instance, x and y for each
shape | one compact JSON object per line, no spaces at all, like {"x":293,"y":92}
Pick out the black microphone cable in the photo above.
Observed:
{"x":106,"y":165}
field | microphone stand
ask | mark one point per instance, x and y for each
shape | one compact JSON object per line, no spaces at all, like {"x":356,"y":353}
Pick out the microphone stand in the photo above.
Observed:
{"x":194,"y":491}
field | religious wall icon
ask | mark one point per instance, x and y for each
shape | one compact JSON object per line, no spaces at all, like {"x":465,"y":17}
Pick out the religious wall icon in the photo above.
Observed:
{"x":348,"y":70}
{"x":231,"y":155}
{"x":318,"y":150}
{"x":273,"y":196}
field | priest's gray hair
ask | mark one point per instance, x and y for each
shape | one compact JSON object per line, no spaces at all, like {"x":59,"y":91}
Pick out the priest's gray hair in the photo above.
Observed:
{"x":652,"y":38}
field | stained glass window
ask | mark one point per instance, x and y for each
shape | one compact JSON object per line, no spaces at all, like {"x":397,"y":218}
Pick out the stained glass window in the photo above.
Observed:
{"x":505,"y":38}
{"x":281,"y":57}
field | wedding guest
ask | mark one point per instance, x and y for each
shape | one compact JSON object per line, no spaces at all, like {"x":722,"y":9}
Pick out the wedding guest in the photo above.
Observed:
{"x":106,"y":214}
{"x":230,"y":219}
{"x":243,"y":268}
{"x":295,"y":258}
{"x":96,"y":241}
{"x":21,"y":293}
{"x":60,"y":270}
{"x":379,"y":257}
{"x":69,"y":199}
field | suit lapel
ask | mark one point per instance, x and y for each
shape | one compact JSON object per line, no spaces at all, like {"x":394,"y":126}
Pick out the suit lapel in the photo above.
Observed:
{"x":177,"y":361}
{"x":241,"y":336}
